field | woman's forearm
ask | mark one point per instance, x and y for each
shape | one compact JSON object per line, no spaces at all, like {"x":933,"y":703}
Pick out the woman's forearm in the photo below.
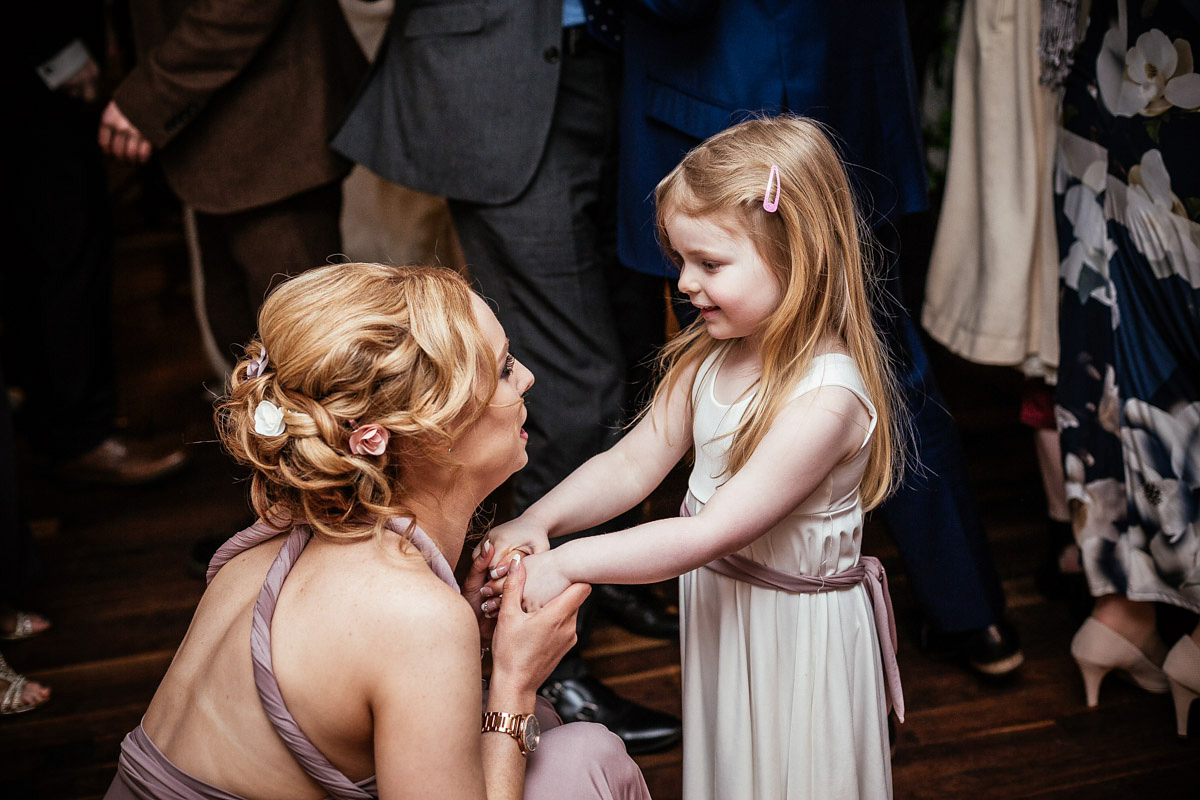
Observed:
{"x":503,"y":763}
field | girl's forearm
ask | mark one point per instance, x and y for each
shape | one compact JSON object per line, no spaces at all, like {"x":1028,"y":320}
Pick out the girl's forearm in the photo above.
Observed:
{"x":601,"y":488}
{"x":651,"y":552}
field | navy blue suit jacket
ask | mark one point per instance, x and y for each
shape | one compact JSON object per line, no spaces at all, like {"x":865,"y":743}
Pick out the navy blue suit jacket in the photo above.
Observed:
{"x":694,"y":67}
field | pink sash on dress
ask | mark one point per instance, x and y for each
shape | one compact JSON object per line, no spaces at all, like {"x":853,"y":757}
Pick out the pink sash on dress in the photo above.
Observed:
{"x":868,"y":570}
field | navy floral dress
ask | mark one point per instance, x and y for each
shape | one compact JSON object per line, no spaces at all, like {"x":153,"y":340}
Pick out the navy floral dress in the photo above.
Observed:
{"x":1127,"y":185}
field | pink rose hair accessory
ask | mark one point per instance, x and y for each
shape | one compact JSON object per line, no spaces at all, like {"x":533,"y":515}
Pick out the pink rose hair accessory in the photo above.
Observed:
{"x":772,"y":178}
{"x":257,"y":366}
{"x":369,"y":440}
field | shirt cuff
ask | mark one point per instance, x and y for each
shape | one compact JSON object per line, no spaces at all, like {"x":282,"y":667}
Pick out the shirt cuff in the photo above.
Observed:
{"x":63,"y":66}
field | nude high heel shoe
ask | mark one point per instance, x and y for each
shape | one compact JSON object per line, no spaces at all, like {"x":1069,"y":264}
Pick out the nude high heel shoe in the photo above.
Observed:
{"x":1098,"y":649}
{"x":1182,"y":668}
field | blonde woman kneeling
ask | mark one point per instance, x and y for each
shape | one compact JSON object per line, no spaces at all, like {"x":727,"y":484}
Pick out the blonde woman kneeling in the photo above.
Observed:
{"x":333,"y":654}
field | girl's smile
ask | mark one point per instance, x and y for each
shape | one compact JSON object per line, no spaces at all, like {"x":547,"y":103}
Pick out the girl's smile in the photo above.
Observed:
{"x":722,"y":274}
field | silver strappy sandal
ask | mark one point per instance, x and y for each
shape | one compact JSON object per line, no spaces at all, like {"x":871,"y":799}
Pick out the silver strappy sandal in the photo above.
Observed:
{"x":13,"y":702}
{"x":22,"y":628}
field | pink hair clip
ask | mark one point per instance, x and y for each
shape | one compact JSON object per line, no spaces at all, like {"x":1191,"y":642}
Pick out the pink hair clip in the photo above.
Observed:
{"x":369,"y":440}
{"x":768,"y":203}
{"x":257,"y":366}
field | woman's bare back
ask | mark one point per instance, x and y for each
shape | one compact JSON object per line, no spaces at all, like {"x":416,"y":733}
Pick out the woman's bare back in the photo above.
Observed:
{"x":341,"y":605}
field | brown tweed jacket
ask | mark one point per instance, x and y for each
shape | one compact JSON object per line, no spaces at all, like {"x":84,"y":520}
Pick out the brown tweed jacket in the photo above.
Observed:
{"x":241,"y":96}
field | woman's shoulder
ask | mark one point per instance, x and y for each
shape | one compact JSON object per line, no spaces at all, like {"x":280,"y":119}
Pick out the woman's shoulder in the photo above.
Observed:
{"x":242,"y":573}
{"x":395,"y":584}
{"x":380,"y":610}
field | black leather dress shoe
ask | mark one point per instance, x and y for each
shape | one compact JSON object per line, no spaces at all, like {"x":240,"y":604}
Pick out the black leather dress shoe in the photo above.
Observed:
{"x":585,"y":699}
{"x":993,"y":650}
{"x":638,"y":609}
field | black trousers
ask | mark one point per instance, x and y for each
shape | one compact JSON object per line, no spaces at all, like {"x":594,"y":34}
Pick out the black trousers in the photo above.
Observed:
{"x":933,"y":516}
{"x":20,"y":564}
{"x":56,"y":281}
{"x":247,"y":253}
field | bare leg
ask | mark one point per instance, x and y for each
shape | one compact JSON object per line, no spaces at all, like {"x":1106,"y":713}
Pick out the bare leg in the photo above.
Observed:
{"x":1049,"y":456}
{"x":1135,"y":621}
{"x":1065,"y":554}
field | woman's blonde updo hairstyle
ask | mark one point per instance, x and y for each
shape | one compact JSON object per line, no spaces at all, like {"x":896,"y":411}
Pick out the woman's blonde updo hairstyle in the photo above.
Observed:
{"x":350,"y":345}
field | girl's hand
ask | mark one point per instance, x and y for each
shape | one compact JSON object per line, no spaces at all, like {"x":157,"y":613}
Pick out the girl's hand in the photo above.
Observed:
{"x":520,"y":534}
{"x":544,"y":580}
{"x":529,"y":644}
{"x":476,"y":592}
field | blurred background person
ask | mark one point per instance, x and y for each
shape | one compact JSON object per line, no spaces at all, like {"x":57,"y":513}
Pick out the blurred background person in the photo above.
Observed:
{"x":991,"y":294}
{"x":1127,"y":184}
{"x":55,"y":299}
{"x":239,"y":100}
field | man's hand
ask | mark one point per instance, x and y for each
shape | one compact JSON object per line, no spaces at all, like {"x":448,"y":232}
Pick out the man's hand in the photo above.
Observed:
{"x":84,"y":84}
{"x":120,"y":139}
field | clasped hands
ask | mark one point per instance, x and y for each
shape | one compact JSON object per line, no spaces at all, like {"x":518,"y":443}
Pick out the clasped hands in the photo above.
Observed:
{"x":524,"y":541}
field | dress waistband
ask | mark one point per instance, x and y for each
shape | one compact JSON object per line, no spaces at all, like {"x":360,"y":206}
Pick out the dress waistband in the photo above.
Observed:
{"x":867,"y":571}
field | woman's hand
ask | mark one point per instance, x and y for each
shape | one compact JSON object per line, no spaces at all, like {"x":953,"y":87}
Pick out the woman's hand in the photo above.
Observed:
{"x":545,"y":580}
{"x":528,"y":644}
{"x":520,"y":534}
{"x":477,"y":593}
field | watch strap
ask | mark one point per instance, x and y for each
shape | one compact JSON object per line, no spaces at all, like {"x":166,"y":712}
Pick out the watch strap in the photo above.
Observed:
{"x":505,"y":722}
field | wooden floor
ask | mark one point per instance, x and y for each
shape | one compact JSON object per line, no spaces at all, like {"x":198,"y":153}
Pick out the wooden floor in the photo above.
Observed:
{"x":120,"y":600}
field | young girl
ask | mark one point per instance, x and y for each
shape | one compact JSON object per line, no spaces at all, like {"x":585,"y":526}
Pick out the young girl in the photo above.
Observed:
{"x":782,"y":387}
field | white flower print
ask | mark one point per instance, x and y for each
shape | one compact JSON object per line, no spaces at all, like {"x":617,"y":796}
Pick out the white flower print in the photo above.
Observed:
{"x":1156,"y":220}
{"x":1064,"y":419}
{"x":1085,"y":269}
{"x":1162,"y":460}
{"x":1108,"y":413}
{"x":1148,"y":78}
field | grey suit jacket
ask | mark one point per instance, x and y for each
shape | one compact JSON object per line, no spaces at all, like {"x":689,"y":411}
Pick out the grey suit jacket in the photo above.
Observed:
{"x":460,"y":97}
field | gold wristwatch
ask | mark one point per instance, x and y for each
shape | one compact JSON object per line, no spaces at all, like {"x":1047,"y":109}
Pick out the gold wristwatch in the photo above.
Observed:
{"x":522,"y":727}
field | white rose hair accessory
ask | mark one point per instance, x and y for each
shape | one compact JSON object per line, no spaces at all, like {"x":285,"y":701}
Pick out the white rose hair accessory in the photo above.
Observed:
{"x":257,"y":366}
{"x":268,"y":419}
{"x":369,"y":440}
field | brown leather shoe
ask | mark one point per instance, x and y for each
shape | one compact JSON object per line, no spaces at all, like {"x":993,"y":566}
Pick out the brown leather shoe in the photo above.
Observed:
{"x":119,"y":462}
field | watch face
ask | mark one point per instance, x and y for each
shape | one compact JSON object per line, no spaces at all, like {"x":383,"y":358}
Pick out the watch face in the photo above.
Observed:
{"x":532,"y":733}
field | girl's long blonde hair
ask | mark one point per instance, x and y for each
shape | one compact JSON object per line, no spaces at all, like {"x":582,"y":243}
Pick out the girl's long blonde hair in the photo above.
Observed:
{"x":347,"y":345}
{"x":812,"y":245}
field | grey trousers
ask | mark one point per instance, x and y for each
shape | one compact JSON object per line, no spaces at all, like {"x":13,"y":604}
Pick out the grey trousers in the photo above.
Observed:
{"x":543,"y":260}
